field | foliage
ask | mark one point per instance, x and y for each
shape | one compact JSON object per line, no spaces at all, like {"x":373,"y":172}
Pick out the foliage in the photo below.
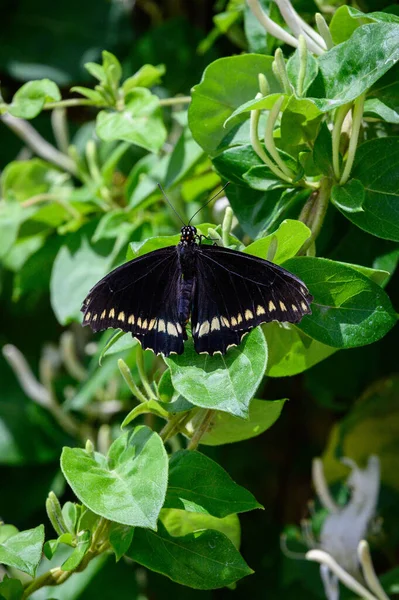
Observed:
{"x":304,"y":127}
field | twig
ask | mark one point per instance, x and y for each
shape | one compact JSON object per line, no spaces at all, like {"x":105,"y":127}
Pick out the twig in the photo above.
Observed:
{"x":38,"y":144}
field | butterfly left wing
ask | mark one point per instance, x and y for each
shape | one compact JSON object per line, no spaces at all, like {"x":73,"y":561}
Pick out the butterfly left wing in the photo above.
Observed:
{"x":140,"y":297}
{"x":236,"y":292}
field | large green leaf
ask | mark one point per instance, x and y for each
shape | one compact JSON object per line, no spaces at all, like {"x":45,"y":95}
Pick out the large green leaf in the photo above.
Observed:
{"x":349,"y":69}
{"x":198,"y":484}
{"x":22,"y":550}
{"x":11,"y":589}
{"x":291,"y":351}
{"x":377,"y":169}
{"x":140,"y":122}
{"x":348,"y":310}
{"x":226,"y":429}
{"x":203,"y":560}
{"x":226,"y":84}
{"x":225,"y":383}
{"x":129,"y":485}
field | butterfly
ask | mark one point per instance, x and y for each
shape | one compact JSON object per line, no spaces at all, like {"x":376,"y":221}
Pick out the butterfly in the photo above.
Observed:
{"x":225,"y":292}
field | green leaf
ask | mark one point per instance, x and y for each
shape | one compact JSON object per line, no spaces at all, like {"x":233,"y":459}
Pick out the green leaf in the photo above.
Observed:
{"x":22,"y":179}
{"x":204,"y":560}
{"x":349,"y":198}
{"x":226,"y":429}
{"x":11,"y":589}
{"x":299,"y":124}
{"x":376,"y":167}
{"x":140,"y":122}
{"x":29,"y":100}
{"x":198,"y":484}
{"x":180,"y":522}
{"x":291,"y":351}
{"x":137,"y":249}
{"x":225,"y":383}
{"x":93,"y":95}
{"x":322,"y":150}
{"x":150,"y":407}
{"x":83,"y":541}
{"x":96,"y":71}
{"x":348,"y":309}
{"x":118,"y":342}
{"x":260,"y":212}
{"x":226,"y":84}
{"x":285,"y":242}
{"x":128,"y":486}
{"x":347,"y":19}
{"x":234,"y":163}
{"x":72,"y":277}
{"x":120,"y":538}
{"x":112,"y":69}
{"x":12,"y":215}
{"x":349,"y":69}
{"x":294,"y":67}
{"x":23,"y":550}
{"x":145,"y":77}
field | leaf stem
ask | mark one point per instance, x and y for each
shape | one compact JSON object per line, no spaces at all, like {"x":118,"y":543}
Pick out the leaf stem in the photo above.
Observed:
{"x":339,"y":117}
{"x":356,"y":124}
{"x":75,"y":214}
{"x":127,"y":376}
{"x":314,"y":212}
{"x":201,"y":430}
{"x":38,"y":144}
{"x":173,"y":101}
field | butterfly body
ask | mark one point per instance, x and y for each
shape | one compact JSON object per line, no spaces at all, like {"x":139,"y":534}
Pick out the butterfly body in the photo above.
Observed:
{"x":226,"y":293}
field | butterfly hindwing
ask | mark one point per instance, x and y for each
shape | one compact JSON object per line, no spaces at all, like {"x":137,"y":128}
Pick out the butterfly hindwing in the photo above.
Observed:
{"x":141,"y":297}
{"x":236,"y":292}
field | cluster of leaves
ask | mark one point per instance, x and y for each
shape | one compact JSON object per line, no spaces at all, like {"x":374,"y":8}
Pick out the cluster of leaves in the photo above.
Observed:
{"x":304,"y":186}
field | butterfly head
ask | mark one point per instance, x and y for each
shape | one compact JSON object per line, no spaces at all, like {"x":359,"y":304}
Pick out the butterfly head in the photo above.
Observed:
{"x":188,"y":233}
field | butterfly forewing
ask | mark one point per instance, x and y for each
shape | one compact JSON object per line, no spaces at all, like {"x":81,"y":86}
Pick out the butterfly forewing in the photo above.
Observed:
{"x":236,"y":292}
{"x":141,"y":297}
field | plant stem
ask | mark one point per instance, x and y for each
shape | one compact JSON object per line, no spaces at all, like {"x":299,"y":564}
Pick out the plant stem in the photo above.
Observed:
{"x":173,"y":101}
{"x":339,"y":117}
{"x":143,"y":374}
{"x":75,"y":214}
{"x":72,"y":102}
{"x":314,"y":212}
{"x":356,"y":124}
{"x":173,"y":425}
{"x":60,"y":129}
{"x":201,"y":430}
{"x":38,"y":144}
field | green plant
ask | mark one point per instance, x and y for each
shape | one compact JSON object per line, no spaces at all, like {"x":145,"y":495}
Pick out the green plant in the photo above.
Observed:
{"x":308,"y":144}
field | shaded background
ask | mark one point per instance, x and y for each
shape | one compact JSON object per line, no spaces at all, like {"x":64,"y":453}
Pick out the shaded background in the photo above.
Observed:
{"x":54,"y":40}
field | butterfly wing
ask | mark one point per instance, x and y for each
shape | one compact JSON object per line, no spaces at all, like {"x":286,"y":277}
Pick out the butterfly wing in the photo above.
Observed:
{"x":236,"y":292}
{"x":140,"y":297}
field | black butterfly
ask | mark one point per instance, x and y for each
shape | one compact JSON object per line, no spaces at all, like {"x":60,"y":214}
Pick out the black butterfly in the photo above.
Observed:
{"x":227,"y":293}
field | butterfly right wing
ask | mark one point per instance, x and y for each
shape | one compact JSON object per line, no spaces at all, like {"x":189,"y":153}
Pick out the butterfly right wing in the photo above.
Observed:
{"x":140,"y":297}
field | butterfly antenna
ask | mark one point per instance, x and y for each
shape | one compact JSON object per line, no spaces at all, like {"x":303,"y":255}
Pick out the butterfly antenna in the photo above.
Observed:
{"x":210,"y":200}
{"x":170,"y":204}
